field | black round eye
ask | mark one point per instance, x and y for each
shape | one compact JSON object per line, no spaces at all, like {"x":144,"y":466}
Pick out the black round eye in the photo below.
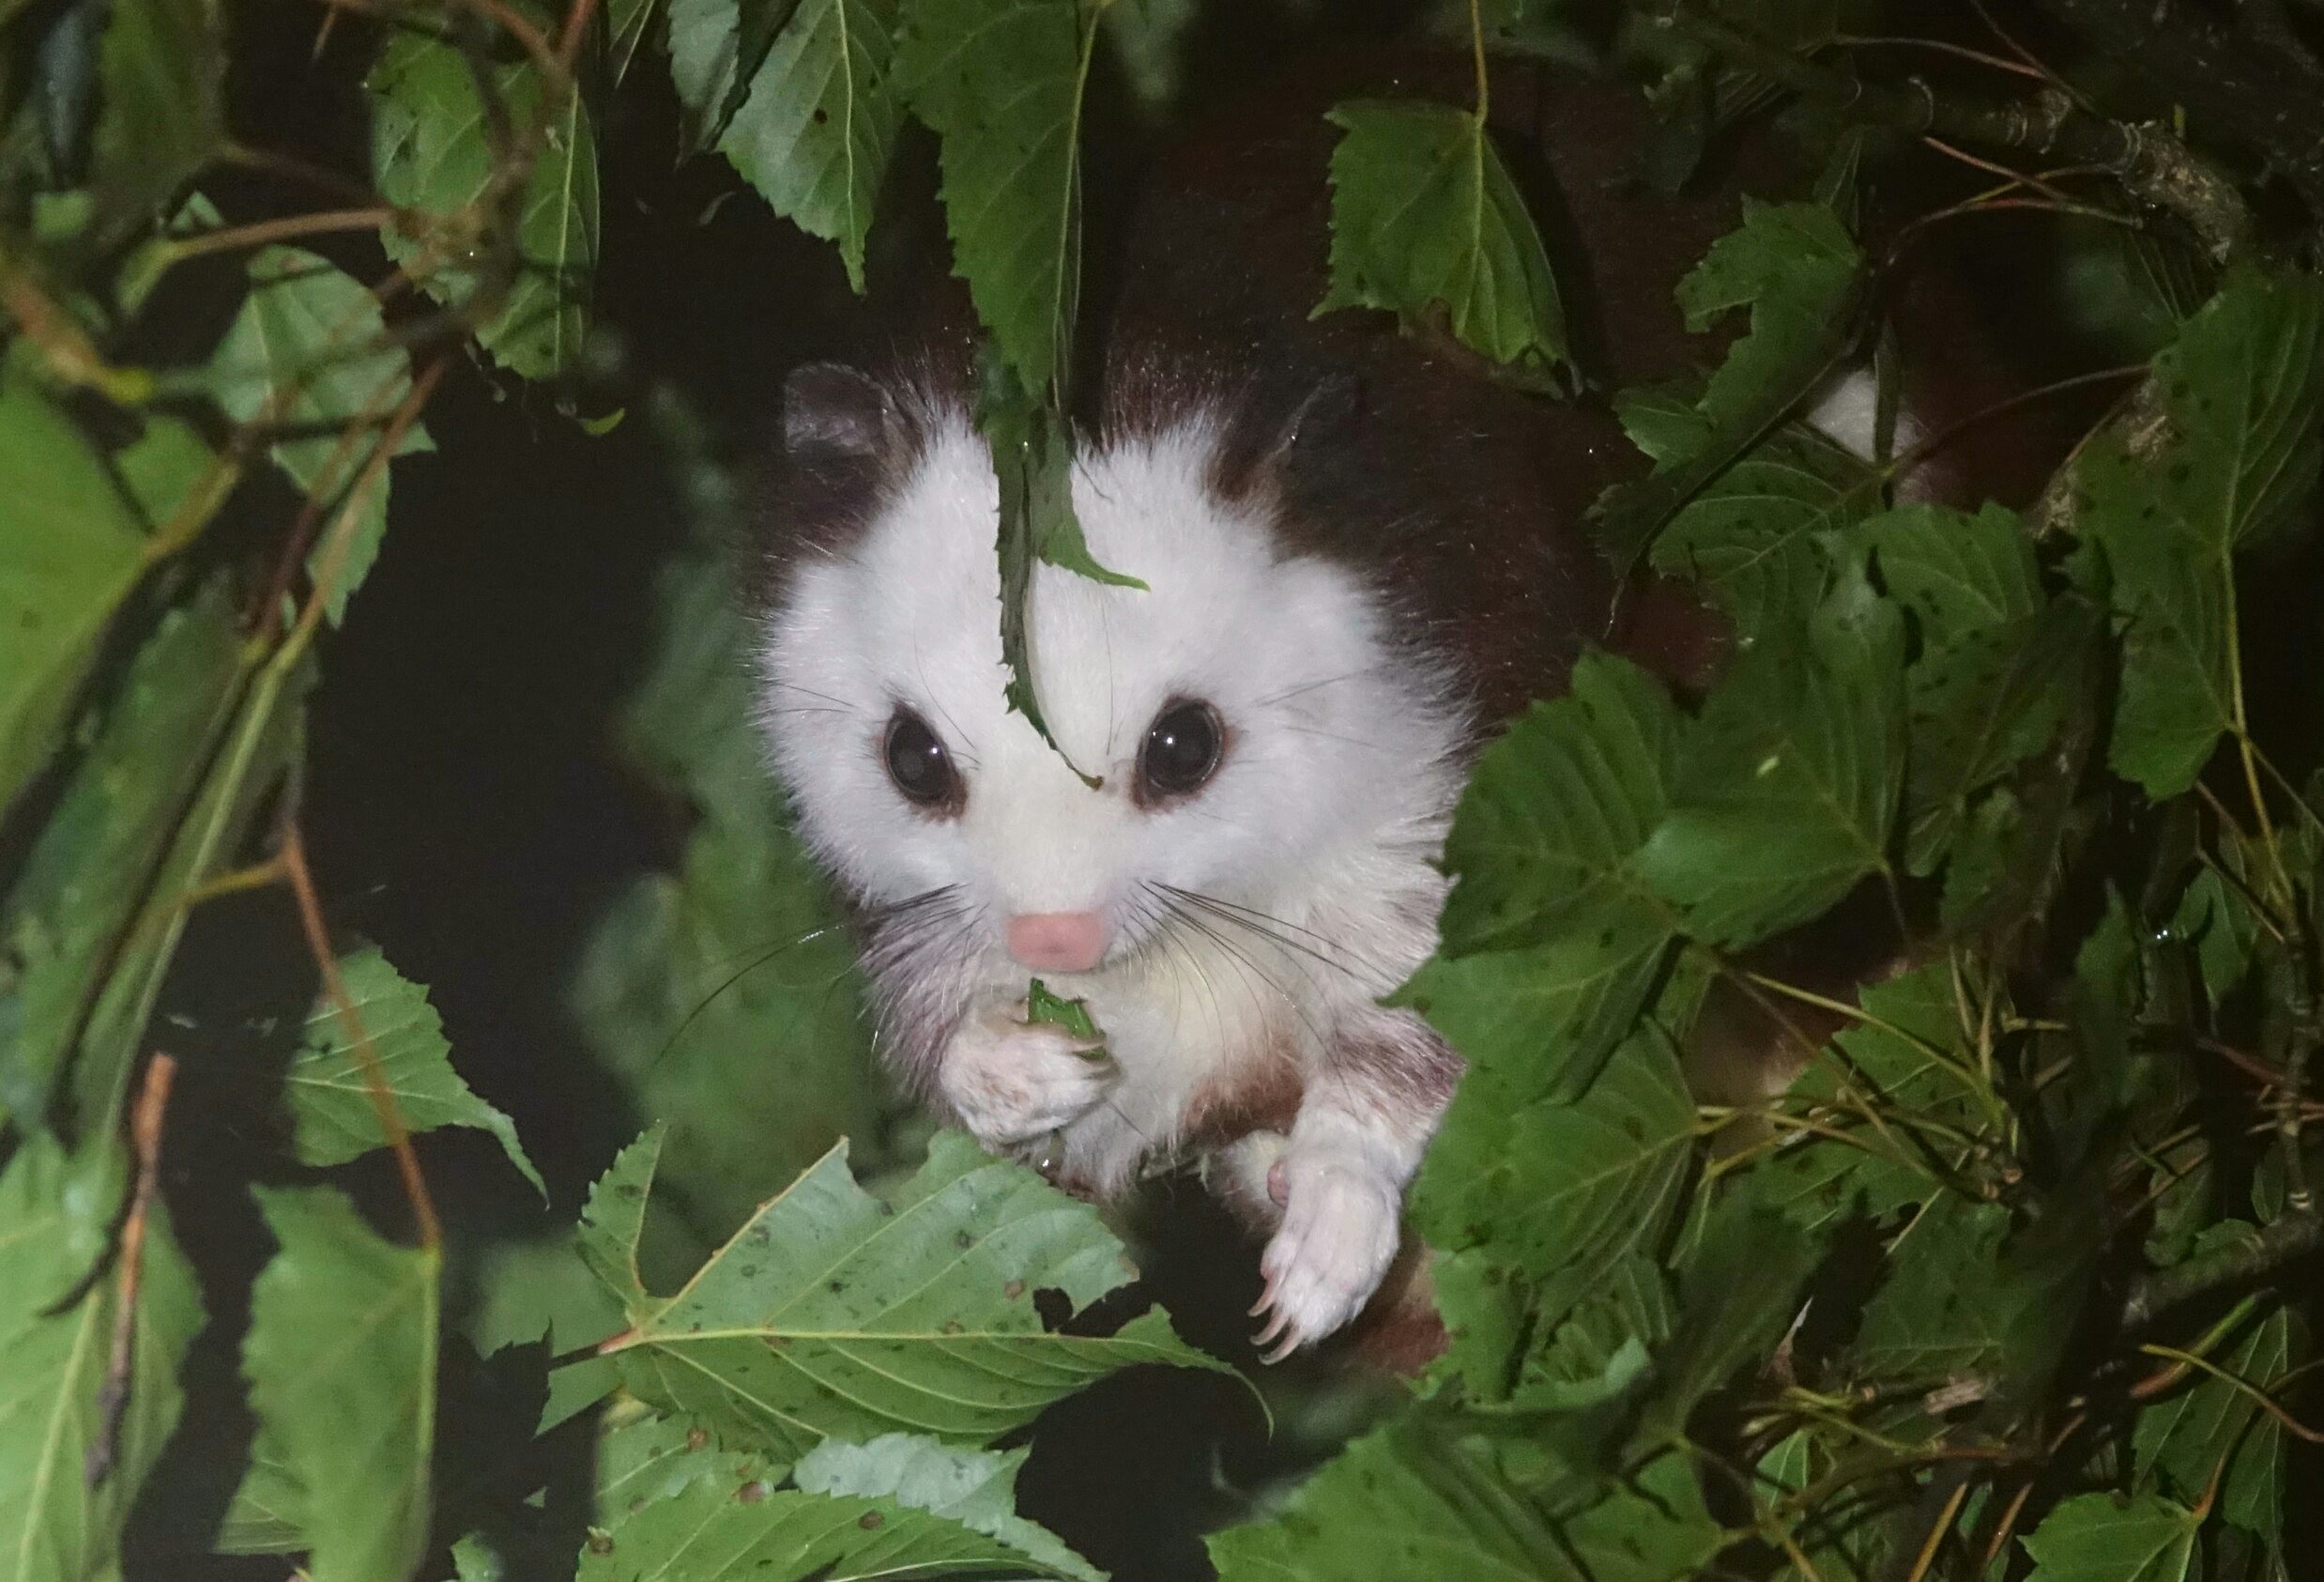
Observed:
{"x":917,"y":761}
{"x":1181,"y":749}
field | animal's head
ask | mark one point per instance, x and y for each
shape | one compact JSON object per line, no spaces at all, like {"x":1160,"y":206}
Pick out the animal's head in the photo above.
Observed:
{"x":1243,"y":726}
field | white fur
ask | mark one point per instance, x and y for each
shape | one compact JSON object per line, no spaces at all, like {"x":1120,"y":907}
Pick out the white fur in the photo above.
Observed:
{"x":1324,"y":817}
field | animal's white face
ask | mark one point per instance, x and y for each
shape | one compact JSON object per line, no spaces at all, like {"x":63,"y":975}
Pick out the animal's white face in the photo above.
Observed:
{"x":1255,"y":737}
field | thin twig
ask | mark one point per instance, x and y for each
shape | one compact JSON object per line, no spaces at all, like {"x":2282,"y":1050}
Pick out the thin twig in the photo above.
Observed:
{"x":228,"y":238}
{"x":294,"y":851}
{"x":153,"y":1096}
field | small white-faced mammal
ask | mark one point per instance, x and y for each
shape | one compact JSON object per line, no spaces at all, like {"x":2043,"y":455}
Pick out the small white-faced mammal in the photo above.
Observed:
{"x":1360,"y":557}
{"x":1252,"y":872}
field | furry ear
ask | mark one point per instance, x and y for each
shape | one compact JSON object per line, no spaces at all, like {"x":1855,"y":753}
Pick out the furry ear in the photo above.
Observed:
{"x":830,"y":407}
{"x":1281,"y":426}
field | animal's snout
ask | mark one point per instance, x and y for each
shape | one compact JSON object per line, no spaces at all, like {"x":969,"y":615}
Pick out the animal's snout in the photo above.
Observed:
{"x":1058,"y":941}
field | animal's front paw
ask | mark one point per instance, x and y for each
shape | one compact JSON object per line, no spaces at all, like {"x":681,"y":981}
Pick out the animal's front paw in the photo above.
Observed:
{"x":1010,"y":1081}
{"x":1341,"y":1205}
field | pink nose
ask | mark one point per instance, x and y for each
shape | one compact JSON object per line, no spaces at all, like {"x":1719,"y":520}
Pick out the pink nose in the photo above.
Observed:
{"x":1058,"y":941}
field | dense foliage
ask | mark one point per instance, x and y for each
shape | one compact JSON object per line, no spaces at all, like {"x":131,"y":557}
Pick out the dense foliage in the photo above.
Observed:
{"x":2016,"y":1280}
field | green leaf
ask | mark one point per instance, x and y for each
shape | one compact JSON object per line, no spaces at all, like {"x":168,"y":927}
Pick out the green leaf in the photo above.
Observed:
{"x":308,"y":352}
{"x":714,"y":1532}
{"x":1405,"y":1500}
{"x":1033,"y":461}
{"x":1555,"y":808}
{"x":86,"y":876}
{"x":2105,"y":1538}
{"x":1945,"y":1311}
{"x":1794,"y":267}
{"x":1000,"y":82}
{"x":975,"y":1488}
{"x":2187,"y":1439}
{"x":1788,"y":785}
{"x":833,"y":1313}
{"x":333,"y":1118}
{"x":161,"y":72}
{"x":800,"y":98}
{"x":1740,"y":1293}
{"x":73,"y":552}
{"x":2235,"y":454}
{"x":613,"y":1221}
{"x":1601,"y":1346}
{"x":57,"y":1216}
{"x":340,"y":1357}
{"x":431,"y":153}
{"x":1556,"y":1186}
{"x":1957,"y":574}
{"x":1425,"y":220}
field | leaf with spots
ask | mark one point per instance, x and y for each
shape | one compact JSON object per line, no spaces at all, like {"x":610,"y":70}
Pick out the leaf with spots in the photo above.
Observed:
{"x":333,"y":1118}
{"x":975,"y":1488}
{"x":1426,"y":221}
{"x":834,"y":1313}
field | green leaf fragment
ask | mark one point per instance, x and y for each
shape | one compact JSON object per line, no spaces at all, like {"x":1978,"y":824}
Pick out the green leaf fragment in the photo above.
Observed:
{"x":57,"y":1216}
{"x":333,"y":1116}
{"x":2106,"y":1538}
{"x":161,"y":72}
{"x":73,"y":550}
{"x":1426,"y":220}
{"x":1072,"y":1014}
{"x":975,"y":1488}
{"x":831,"y":1314}
{"x":433,"y":154}
{"x":800,"y":96}
{"x":340,"y":1358}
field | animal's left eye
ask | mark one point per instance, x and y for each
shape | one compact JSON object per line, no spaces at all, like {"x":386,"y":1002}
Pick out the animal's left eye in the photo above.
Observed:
{"x":1181,"y":749}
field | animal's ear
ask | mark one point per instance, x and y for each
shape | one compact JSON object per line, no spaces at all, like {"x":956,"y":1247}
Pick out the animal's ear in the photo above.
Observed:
{"x":1283,"y":428}
{"x":828,"y":408}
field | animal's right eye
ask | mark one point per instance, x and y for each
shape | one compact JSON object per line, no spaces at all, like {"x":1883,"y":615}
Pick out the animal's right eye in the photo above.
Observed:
{"x":918,"y":763}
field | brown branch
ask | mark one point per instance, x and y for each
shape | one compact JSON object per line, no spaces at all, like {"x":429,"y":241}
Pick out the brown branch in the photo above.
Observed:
{"x":226,"y":239}
{"x":2290,"y":1236}
{"x":2151,"y":164}
{"x":294,"y":853}
{"x":153,"y":1096}
{"x":2265,"y":97}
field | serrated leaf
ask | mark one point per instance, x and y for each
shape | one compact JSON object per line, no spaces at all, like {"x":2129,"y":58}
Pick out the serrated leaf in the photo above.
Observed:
{"x":1425,"y":220}
{"x":1404,"y":1501}
{"x":161,"y":113}
{"x":1603,"y":1345}
{"x":1794,"y":267}
{"x":308,"y":353}
{"x":975,"y":1488}
{"x":1000,"y":82}
{"x":2242,"y":409}
{"x":340,"y":1358}
{"x":714,"y":1532}
{"x":2212,"y":1429}
{"x":627,"y":24}
{"x":57,"y":1216}
{"x":86,"y":875}
{"x":1555,"y":807}
{"x":798,"y":96}
{"x":1787,"y":785}
{"x":431,"y":154}
{"x":73,"y":552}
{"x":2105,"y":1538}
{"x":1946,"y":1308}
{"x":1957,"y":573}
{"x":333,"y":1118}
{"x":1555,"y":1186}
{"x":833,"y":1313}
{"x":1740,"y":1294}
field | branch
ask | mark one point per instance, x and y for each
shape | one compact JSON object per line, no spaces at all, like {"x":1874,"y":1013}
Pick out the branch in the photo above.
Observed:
{"x":2292,"y":1236}
{"x":2152,"y":164}
{"x":2269,"y":98}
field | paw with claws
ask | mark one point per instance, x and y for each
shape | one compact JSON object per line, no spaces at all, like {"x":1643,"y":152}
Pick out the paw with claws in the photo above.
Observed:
{"x":1010,"y":1081}
{"x":1341,"y":1203}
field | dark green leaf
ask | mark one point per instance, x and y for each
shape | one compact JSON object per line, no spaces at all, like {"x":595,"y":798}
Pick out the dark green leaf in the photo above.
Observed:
{"x":834,"y":1313}
{"x":340,"y":1357}
{"x":73,"y":552}
{"x":1555,"y":808}
{"x":1000,"y":82}
{"x":1788,"y":784}
{"x":1958,"y":574}
{"x":161,"y":73}
{"x":1739,"y":1294}
{"x":333,"y":1117}
{"x":57,"y":1216}
{"x":433,"y":154}
{"x":2105,"y":1538}
{"x":85,"y":878}
{"x":799,"y":95}
{"x":1425,"y":220}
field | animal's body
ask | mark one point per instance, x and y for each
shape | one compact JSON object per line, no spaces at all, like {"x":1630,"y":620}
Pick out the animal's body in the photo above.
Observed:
{"x":1360,"y":555}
